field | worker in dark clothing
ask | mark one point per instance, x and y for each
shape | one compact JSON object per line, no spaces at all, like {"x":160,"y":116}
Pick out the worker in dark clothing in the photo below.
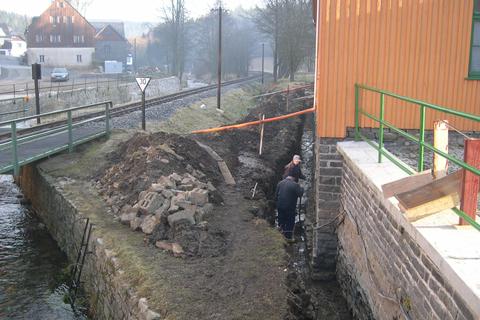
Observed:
{"x":286,"y":197}
{"x":293,"y":169}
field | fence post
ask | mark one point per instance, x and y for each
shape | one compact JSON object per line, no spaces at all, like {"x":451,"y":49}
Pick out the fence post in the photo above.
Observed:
{"x":421,"y":147}
{"x":73,"y":84}
{"x":107,"y":118}
{"x":380,"y":129}
{"x":471,"y":181}
{"x":58,"y":89}
{"x":357,"y":114}
{"x":440,"y":142}
{"x":16,"y":168}
{"x":70,"y":133}
{"x":14,"y":94}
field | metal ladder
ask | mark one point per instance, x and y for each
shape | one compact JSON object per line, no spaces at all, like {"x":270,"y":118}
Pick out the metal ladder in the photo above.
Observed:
{"x":76,"y":272}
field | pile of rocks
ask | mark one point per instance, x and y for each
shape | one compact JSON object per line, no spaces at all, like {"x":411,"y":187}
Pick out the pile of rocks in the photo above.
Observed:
{"x":173,"y":202}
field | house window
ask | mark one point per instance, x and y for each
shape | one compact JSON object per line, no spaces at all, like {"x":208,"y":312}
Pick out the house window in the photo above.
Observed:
{"x":474,"y":69}
{"x":38,"y":37}
{"x":52,"y":20}
{"x":61,"y":4}
{"x":55,"y":38}
{"x":73,"y":19}
{"x":42,"y":58}
{"x":58,"y":19}
{"x":69,"y":20}
{"x":65,"y":19}
{"x":79,"y":58}
{"x":78,"y":39}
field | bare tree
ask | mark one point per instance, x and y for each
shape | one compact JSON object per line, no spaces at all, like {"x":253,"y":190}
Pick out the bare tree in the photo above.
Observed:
{"x":267,"y":20}
{"x":174,"y":18}
{"x":288,"y":24}
{"x":81,"y":5}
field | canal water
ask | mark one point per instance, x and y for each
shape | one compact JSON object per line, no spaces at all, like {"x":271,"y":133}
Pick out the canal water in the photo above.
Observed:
{"x":32,"y":267}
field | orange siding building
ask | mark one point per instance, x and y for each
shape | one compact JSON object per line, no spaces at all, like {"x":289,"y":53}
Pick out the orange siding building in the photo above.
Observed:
{"x":415,"y":48}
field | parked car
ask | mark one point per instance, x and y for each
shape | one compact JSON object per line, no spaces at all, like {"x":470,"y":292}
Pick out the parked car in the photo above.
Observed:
{"x":59,"y":74}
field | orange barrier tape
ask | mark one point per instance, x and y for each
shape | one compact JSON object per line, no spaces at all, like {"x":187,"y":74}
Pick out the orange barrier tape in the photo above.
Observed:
{"x":254,"y":123}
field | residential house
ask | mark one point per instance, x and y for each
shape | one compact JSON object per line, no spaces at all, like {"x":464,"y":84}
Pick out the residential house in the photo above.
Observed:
{"x":110,"y":42}
{"x":11,"y":44}
{"x":61,"y":36}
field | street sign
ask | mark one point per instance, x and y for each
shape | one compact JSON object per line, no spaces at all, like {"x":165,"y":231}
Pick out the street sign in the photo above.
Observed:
{"x":143,"y":83}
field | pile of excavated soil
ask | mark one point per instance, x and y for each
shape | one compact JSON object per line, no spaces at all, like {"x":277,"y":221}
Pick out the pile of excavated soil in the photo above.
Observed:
{"x":161,"y":185}
{"x":143,"y":159}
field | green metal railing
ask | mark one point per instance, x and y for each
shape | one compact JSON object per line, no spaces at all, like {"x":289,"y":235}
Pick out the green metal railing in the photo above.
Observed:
{"x":423,"y":107}
{"x":17,"y":138}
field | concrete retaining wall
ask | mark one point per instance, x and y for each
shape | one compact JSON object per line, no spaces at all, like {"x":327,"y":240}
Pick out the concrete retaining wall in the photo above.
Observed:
{"x":384,"y":265}
{"x":109,"y":297}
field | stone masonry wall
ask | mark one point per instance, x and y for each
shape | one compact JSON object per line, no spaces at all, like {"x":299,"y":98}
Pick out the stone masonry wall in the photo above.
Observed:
{"x":383,"y":271}
{"x":328,"y":172}
{"x":109,"y":297}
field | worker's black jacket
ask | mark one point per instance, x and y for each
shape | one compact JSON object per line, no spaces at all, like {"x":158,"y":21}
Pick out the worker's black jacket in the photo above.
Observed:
{"x":287,"y":193}
{"x":293,"y":171}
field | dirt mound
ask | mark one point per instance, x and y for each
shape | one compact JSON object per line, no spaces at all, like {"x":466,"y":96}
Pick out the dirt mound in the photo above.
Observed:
{"x":143,"y":159}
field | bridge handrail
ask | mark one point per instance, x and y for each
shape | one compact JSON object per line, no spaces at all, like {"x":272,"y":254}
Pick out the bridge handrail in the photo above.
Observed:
{"x":420,"y":140}
{"x":3,"y":123}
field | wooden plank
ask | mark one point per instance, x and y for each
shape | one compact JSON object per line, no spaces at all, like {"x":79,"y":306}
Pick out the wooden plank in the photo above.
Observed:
{"x":406,"y":184}
{"x":227,"y":175}
{"x":440,"y":142}
{"x":470,"y":185}
{"x":441,"y":194}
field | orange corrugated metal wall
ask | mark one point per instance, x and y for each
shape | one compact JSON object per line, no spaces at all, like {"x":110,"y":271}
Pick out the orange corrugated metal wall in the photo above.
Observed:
{"x":415,"y":48}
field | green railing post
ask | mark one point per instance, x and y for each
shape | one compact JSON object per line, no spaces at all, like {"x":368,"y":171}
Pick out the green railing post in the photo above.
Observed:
{"x":421,"y":147}
{"x":107,"y":118}
{"x":70,"y":134}
{"x":380,"y":130}
{"x":357,"y":114}
{"x":16,"y":167}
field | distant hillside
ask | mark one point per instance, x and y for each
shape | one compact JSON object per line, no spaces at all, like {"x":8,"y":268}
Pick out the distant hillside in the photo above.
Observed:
{"x":16,"y":22}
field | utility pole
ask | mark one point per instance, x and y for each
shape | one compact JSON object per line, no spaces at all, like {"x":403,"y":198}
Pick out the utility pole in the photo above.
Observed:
{"x":263,"y":61}
{"x":219,"y":67}
{"x":134,"y":56}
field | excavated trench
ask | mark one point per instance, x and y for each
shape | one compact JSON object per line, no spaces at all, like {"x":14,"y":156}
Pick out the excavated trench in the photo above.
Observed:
{"x":257,"y":177}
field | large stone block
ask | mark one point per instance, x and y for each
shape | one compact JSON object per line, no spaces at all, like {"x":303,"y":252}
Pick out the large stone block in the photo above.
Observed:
{"x":149,"y":224}
{"x":183,"y":216}
{"x":151,"y":202}
{"x":198,"y":196}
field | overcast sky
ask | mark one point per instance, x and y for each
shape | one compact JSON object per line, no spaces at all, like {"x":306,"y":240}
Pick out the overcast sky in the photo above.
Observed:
{"x":126,"y":10}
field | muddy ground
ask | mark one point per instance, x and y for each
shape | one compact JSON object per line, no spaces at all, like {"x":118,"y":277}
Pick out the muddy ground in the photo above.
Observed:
{"x":248,"y":274}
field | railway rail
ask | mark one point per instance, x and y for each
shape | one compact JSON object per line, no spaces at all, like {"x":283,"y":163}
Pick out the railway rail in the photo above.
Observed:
{"x":126,"y":108}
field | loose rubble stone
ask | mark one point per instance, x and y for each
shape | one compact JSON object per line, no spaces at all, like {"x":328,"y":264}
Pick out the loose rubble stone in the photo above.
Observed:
{"x":166,"y":182}
{"x":167,"y":193}
{"x":180,"y":217}
{"x":163,"y":245}
{"x":198,"y":196}
{"x":151,"y":315}
{"x":177,"y":249}
{"x":136,"y":223}
{"x":166,"y":161}
{"x":175,"y":177}
{"x":173,"y":208}
{"x":156,"y":187}
{"x":150,"y":203}
{"x":186,"y":187}
{"x":149,"y":224}
{"x":210,"y":186}
{"x":126,"y":217}
{"x":201,"y":213}
{"x":163,"y":210}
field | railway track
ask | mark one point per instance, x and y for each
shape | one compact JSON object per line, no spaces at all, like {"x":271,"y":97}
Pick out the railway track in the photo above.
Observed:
{"x":126,"y":108}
